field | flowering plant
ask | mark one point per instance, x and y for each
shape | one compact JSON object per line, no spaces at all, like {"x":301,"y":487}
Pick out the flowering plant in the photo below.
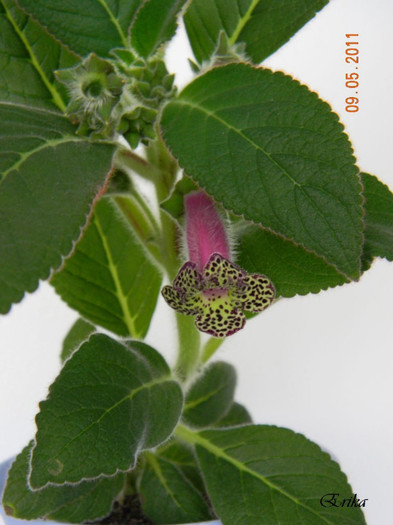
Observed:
{"x":258,"y":197}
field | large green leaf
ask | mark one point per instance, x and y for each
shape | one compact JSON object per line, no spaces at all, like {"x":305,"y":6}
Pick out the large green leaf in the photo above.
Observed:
{"x":168,"y":496}
{"x":270,"y":475}
{"x":292,"y":269}
{"x":49,"y":179}
{"x":154,"y":24}
{"x":267,"y":148}
{"x":105,"y":407}
{"x":378,"y":219}
{"x":28,"y":56}
{"x":85,"y":25}
{"x":263,"y":25}
{"x":110,"y":278}
{"x":211,"y":396}
{"x":68,"y":503}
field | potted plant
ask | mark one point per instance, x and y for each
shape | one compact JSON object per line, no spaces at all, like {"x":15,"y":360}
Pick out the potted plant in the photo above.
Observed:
{"x":258,"y":197}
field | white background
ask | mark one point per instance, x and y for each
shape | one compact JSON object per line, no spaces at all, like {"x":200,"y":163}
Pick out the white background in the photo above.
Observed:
{"x":320,"y":364}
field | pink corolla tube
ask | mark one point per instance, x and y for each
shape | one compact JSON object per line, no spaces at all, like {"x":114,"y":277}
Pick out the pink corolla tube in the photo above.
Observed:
{"x":209,"y":285}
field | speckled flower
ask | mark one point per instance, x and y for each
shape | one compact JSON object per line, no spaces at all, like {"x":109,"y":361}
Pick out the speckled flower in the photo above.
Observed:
{"x":209,"y":285}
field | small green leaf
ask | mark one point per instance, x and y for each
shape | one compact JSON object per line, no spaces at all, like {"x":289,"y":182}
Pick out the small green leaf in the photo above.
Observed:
{"x":104,"y":408}
{"x":260,"y":472}
{"x":263,"y":25}
{"x":28,"y":57}
{"x":85,"y":26}
{"x":168,"y":496}
{"x":237,"y":415}
{"x":270,"y":150}
{"x":78,"y":333}
{"x":69,"y":503}
{"x":183,"y":457}
{"x":211,"y":395}
{"x":174,"y":204}
{"x":378,"y":219}
{"x":110,"y":278}
{"x":49,"y":179}
{"x":154,"y":24}
{"x":292,"y":269}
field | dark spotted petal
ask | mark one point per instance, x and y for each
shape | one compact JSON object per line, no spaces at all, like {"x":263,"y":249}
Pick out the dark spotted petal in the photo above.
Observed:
{"x":221,"y":272}
{"x":188,"y":280}
{"x":257,"y":294}
{"x":220,"y":324}
{"x":177,"y":301}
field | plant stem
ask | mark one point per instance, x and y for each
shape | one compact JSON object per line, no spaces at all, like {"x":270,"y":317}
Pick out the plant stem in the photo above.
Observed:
{"x":129,"y":159}
{"x":189,"y":347}
{"x":188,"y":336}
{"x":210,"y":348}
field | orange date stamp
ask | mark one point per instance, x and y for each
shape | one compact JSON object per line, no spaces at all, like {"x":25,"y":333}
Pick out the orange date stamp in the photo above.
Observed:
{"x":352,"y":76}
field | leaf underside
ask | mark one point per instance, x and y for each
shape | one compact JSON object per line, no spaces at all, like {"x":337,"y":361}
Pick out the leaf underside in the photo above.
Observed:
{"x":262,"y":25}
{"x":78,"y":333}
{"x":154,"y":24}
{"x":168,"y":495}
{"x":28,"y":57}
{"x":109,"y":279}
{"x":378,"y":218}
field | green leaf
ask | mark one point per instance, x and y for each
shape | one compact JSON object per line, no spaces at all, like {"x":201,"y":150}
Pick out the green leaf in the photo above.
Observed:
{"x":183,"y":457}
{"x":110,"y":278}
{"x":270,"y":150}
{"x":378,"y":218}
{"x":260,"y":472}
{"x":104,"y":408}
{"x":237,"y":415}
{"x":85,"y":26}
{"x":168,"y":496}
{"x":292,"y":269}
{"x":78,"y":333}
{"x":69,"y":503}
{"x":154,"y":24}
{"x":49,"y":179}
{"x":211,"y":395}
{"x":263,"y":25}
{"x":28,"y":56}
{"x":174,"y":204}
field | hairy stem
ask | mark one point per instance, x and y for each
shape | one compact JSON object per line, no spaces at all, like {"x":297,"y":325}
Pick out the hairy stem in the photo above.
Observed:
{"x":126,"y":158}
{"x":210,"y":348}
{"x":188,"y":336}
{"x":189,"y":347}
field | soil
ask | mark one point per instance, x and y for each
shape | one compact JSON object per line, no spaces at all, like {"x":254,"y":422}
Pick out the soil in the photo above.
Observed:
{"x":127,"y":513}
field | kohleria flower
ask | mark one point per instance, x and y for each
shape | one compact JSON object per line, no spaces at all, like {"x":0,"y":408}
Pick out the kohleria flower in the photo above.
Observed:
{"x":209,"y":285}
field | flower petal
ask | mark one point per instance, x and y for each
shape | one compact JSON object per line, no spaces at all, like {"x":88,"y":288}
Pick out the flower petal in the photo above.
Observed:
{"x":257,"y":293}
{"x":181,"y":303}
{"x":188,"y":280}
{"x":219,"y":323}
{"x":221,"y":272}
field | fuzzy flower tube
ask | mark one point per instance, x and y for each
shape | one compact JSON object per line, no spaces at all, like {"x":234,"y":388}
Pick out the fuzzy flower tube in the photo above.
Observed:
{"x":209,"y":285}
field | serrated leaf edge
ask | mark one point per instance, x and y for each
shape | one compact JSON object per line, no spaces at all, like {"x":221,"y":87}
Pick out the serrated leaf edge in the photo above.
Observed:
{"x":196,"y":439}
{"x":361,"y":196}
